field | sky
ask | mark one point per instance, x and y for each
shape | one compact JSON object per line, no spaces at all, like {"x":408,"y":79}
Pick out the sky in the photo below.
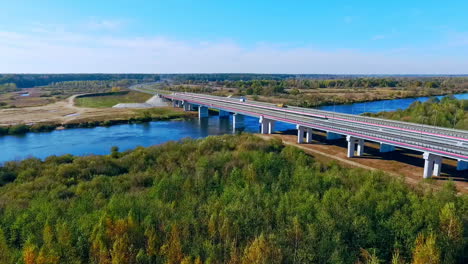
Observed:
{"x":237,"y":36}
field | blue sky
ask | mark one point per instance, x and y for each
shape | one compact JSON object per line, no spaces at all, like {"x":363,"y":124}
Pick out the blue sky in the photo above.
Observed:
{"x":371,"y":37}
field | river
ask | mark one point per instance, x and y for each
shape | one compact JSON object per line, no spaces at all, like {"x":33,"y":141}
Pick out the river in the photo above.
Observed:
{"x":99,"y":140}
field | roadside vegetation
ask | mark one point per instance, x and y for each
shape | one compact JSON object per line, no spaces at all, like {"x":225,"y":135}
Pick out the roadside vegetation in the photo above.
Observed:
{"x":447,"y":112}
{"x":225,"y":199}
{"x":111,"y":99}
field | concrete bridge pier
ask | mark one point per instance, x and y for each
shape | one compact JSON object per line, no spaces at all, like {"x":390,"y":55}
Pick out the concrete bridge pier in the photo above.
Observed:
{"x":300,"y":134}
{"x":202,"y":111}
{"x":266,"y":125}
{"x":386,"y":148}
{"x":351,"y":146}
{"x":333,"y":136}
{"x":188,"y":106}
{"x":462,"y":165}
{"x":352,"y":143}
{"x":237,"y":121}
{"x":360,"y":147}
{"x":223,"y":113}
{"x":432,"y":165}
{"x":309,"y":135}
{"x":177,"y":103}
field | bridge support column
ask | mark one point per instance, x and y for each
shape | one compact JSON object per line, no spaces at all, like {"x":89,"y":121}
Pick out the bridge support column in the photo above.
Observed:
{"x":188,"y":106}
{"x":202,"y":111}
{"x":223,"y":113}
{"x":333,"y":136}
{"x":174,"y":103}
{"x":266,"y":125}
{"x":386,"y":148}
{"x":237,"y":121}
{"x":300,"y":134}
{"x":432,"y":165}
{"x":462,"y":165}
{"x":437,"y":166}
{"x":351,"y":146}
{"x":309,"y":135}
{"x":360,"y":147}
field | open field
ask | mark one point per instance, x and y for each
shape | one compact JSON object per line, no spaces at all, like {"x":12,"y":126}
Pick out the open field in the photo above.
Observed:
{"x":65,"y":112}
{"x":102,"y":101}
{"x":15,"y":99}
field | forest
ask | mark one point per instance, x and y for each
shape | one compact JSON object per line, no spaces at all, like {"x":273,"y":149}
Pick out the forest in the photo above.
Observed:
{"x":287,"y":81}
{"x":447,"y":112}
{"x":33,"y":80}
{"x":67,"y":88}
{"x":223,"y":199}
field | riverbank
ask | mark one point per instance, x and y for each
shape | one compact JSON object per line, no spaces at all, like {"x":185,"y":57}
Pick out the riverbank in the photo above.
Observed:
{"x":447,"y":112}
{"x":65,"y":114}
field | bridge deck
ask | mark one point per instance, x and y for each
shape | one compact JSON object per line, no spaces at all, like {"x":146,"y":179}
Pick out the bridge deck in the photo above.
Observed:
{"x":450,"y":143}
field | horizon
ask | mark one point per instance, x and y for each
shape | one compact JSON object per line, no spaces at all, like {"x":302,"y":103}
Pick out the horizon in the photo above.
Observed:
{"x":263,"y":37}
{"x":241,"y":73}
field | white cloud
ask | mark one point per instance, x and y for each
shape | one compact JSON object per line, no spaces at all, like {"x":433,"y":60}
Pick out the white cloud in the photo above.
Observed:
{"x":51,"y":51}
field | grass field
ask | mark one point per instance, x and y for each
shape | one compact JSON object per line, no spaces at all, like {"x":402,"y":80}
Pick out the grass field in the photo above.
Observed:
{"x":111,"y":100}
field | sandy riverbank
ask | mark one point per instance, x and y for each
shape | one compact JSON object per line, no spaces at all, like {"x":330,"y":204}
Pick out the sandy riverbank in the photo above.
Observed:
{"x":64,"y":112}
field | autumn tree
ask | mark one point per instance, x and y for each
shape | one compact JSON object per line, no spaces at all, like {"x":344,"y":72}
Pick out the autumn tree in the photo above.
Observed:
{"x":261,"y":251}
{"x":172,"y":250}
{"x":426,"y":250}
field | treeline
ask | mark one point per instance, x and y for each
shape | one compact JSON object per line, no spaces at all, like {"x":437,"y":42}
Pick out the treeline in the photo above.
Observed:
{"x":300,"y":81}
{"x":351,"y":83}
{"x":221,"y":77}
{"x":447,"y":112}
{"x":23,"y":129}
{"x":76,"y":87}
{"x":294,"y":86}
{"x":8,"y":87}
{"x":32,"y":80}
{"x":227,"y":199}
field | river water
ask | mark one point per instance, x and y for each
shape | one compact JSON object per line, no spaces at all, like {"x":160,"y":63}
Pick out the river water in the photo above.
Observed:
{"x":99,"y":140}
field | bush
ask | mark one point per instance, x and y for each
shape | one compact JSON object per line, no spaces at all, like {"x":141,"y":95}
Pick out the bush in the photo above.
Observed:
{"x":18,"y":129}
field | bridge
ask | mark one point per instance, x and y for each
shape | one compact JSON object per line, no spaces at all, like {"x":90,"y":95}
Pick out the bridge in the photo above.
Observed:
{"x":433,"y":142}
